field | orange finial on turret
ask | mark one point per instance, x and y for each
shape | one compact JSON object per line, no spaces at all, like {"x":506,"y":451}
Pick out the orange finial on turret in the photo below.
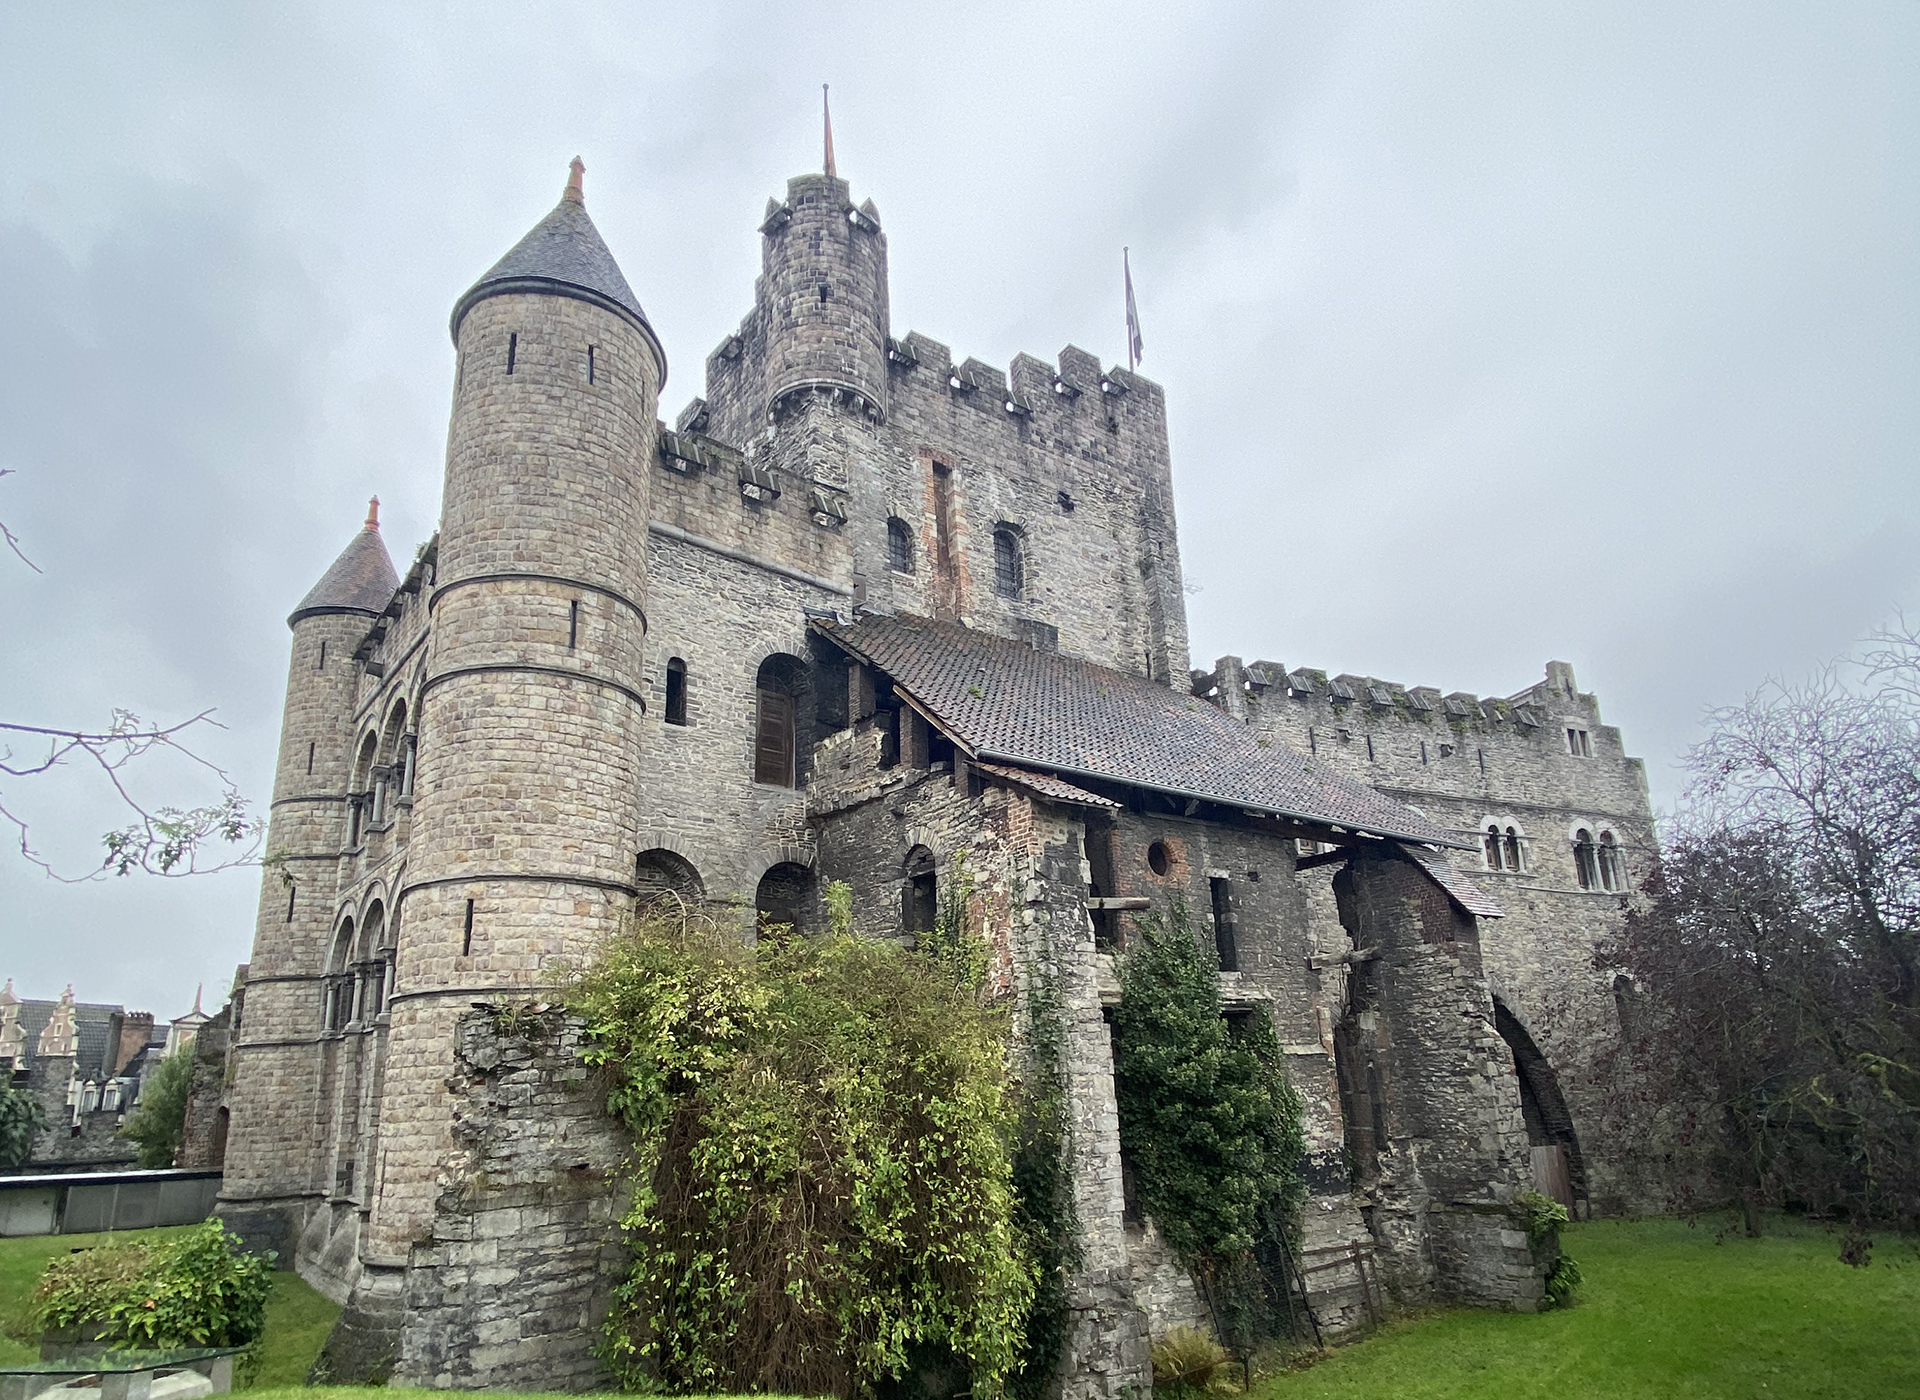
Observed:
{"x":576,"y":182}
{"x":373,"y":513}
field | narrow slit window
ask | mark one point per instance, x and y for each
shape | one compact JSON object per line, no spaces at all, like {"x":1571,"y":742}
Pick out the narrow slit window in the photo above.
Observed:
{"x":513,"y":349}
{"x":466,"y":940}
{"x":321,"y":665}
{"x":573,"y":624}
{"x":676,"y":691}
{"x":293,"y":893}
{"x":590,"y":364}
{"x":310,"y":748}
{"x":1224,"y":942}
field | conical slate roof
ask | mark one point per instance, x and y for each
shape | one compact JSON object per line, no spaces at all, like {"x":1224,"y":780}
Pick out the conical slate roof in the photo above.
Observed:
{"x":361,"y":580}
{"x":564,"y":255}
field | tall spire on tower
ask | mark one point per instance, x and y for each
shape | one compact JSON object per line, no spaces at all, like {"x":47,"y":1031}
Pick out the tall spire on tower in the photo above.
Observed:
{"x":826,"y":115}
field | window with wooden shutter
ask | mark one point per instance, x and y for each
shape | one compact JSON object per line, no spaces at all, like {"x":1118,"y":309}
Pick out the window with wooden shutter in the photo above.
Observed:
{"x":773,"y":740}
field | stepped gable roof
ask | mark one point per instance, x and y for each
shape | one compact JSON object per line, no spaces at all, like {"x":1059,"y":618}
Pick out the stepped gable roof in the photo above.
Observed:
{"x":563,"y":255}
{"x":1008,"y":703}
{"x":361,"y":580}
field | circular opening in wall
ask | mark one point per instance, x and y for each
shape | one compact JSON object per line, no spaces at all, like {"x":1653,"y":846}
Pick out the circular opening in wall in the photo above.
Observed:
{"x":1159,"y":859}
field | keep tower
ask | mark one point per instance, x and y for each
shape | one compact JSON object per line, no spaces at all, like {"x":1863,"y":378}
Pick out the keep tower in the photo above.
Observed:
{"x":527,"y":793}
{"x":817,"y":334}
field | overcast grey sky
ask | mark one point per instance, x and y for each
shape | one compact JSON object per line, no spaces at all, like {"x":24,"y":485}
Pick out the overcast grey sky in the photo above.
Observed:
{"x":1491,"y":334}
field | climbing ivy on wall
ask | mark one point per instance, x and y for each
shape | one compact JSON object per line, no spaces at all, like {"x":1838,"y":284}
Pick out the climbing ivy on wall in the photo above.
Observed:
{"x":823,"y":1166}
{"x":1208,"y":1120}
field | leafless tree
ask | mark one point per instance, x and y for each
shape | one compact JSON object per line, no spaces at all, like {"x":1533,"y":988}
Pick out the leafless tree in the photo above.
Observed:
{"x":1773,"y":1048}
{"x":156,"y":839}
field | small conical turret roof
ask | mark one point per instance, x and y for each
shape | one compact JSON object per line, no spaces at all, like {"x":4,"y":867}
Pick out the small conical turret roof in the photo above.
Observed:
{"x":564,"y":255}
{"x":361,"y":580}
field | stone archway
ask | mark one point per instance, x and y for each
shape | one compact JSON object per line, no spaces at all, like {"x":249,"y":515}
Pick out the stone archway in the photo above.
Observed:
{"x":1558,"y":1168}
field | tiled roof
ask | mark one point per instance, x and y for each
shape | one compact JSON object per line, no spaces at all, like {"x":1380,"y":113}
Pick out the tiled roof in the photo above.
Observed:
{"x":1008,"y":703}
{"x":1459,"y":888}
{"x":361,"y":580}
{"x":564,"y":254}
{"x":1048,"y":786}
{"x":91,"y":1022}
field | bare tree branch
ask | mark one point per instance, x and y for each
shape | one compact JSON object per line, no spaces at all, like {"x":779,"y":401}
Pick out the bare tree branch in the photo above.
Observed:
{"x":170,"y":841}
{"x":13,"y":540}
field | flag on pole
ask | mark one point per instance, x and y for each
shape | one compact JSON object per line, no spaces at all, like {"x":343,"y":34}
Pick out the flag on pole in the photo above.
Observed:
{"x":827,"y":117}
{"x":1135,"y":345}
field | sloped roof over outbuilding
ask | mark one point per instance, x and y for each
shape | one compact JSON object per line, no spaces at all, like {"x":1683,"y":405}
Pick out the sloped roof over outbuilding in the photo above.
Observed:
{"x":1005,"y":702}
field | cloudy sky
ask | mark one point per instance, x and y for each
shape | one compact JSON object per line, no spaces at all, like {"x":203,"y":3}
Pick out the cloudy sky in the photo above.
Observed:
{"x":1491,"y":334}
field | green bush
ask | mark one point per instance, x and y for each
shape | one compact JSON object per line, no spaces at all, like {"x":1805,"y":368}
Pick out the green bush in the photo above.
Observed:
{"x":1187,"y":1361}
{"x":1207,"y":1116}
{"x":822,"y":1178}
{"x":161,"y":1116}
{"x":21,"y":1120}
{"x":197,"y":1289}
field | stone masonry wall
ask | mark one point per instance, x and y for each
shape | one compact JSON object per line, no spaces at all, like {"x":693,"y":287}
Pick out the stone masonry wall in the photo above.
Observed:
{"x":510,"y":1290}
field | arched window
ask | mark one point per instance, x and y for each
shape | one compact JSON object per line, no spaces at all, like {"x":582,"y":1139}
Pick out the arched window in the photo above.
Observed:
{"x":920,"y":893}
{"x":663,"y":874}
{"x":1490,"y":846}
{"x":336,"y":1007}
{"x":1008,"y":568}
{"x":1585,"y":865}
{"x":775,"y":736}
{"x":360,"y":797}
{"x":370,"y":967}
{"x":676,"y":690}
{"x":783,"y":895}
{"x":1612,"y":875}
{"x":899,"y":546}
{"x":1513,"y":848}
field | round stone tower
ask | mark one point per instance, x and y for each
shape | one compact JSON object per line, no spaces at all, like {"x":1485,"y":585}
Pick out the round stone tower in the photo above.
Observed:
{"x":527,"y":790}
{"x":273,"y":1167}
{"x":823,"y":285}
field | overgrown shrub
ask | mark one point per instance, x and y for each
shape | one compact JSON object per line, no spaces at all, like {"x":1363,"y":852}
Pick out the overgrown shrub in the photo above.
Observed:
{"x":21,"y":1120}
{"x":1186,"y":1362}
{"x":159,"y":1119}
{"x":822,"y":1177}
{"x":1208,"y":1119}
{"x":199,"y":1289}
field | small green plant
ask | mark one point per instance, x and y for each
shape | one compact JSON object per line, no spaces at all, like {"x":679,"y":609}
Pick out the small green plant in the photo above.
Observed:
{"x":157,"y":1123}
{"x":21,"y":1121}
{"x":1187,"y":1361}
{"x":198,"y":1289}
{"x":1545,"y":1216}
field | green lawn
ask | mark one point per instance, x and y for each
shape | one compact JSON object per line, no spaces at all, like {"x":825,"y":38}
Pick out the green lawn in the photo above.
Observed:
{"x":298,"y":1318}
{"x":1667,"y":1310}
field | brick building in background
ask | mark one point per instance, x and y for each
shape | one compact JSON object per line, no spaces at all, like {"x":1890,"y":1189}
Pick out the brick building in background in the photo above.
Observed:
{"x":85,"y":1062}
{"x":864,"y":612}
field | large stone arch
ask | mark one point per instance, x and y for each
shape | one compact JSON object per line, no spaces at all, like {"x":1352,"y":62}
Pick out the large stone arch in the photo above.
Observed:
{"x":1549,"y":1122}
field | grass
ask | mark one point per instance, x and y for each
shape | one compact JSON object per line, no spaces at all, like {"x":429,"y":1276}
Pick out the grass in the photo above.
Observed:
{"x":298,"y":1318}
{"x":1667,"y":1311}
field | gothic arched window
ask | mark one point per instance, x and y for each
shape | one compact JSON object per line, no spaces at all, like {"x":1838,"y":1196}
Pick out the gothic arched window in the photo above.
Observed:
{"x":1586,"y":865}
{"x":1009,"y":569}
{"x":1612,"y":876}
{"x":1513,"y":848}
{"x":899,"y":546}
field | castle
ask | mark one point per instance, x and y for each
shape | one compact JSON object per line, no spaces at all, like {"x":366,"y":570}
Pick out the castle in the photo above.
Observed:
{"x":861,"y":613}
